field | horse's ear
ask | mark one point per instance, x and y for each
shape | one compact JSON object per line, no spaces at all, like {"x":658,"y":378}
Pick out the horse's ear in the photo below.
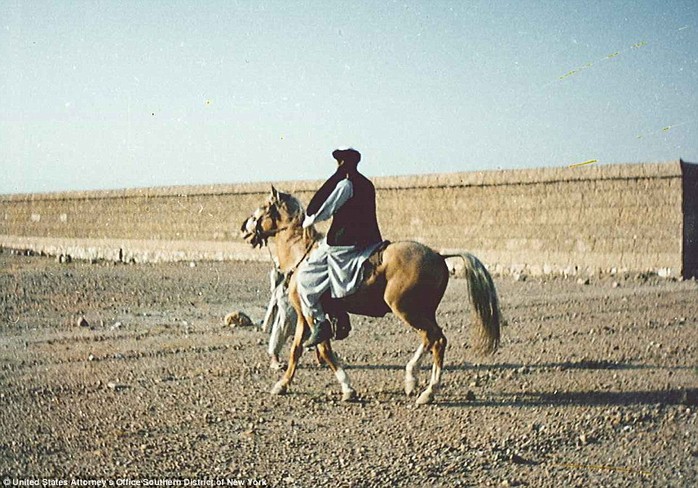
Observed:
{"x":274,"y":194}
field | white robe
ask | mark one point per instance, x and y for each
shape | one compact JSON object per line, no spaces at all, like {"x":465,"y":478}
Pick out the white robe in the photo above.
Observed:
{"x":280,"y":319}
{"x":334,"y":268}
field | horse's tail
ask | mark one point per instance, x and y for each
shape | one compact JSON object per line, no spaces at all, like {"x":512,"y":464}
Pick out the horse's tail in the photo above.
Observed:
{"x":484,"y":303}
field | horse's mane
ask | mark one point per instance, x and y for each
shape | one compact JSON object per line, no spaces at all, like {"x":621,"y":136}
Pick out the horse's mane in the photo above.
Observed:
{"x":294,"y":207}
{"x":296,"y":212}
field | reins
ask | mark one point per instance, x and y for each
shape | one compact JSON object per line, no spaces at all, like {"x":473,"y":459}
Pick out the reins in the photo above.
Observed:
{"x":290,"y":272}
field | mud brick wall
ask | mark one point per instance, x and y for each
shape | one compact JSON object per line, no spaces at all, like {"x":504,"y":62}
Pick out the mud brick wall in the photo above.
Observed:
{"x":569,"y":220}
{"x":635,"y":217}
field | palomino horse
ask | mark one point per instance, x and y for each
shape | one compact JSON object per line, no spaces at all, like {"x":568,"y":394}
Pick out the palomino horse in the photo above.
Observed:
{"x":410,"y":281}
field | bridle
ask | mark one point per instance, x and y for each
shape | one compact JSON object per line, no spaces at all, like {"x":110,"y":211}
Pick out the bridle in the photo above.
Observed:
{"x":261,"y":238}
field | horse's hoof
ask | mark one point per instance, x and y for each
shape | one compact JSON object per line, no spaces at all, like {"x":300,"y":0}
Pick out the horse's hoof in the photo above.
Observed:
{"x":278,"y":389}
{"x":348,"y":395}
{"x":425,"y":398}
{"x":410,"y":387}
{"x":276,"y":366}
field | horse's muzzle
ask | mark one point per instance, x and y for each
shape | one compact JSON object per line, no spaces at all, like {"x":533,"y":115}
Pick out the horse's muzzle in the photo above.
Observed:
{"x":249,"y":232}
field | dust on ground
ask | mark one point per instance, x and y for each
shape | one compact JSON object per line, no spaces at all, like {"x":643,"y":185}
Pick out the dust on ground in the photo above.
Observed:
{"x":595,"y":384}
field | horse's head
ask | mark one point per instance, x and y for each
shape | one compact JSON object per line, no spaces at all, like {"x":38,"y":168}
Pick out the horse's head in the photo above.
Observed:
{"x":278,"y":213}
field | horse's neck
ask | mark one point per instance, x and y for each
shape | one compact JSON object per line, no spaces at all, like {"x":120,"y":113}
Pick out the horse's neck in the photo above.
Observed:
{"x":292,"y":245}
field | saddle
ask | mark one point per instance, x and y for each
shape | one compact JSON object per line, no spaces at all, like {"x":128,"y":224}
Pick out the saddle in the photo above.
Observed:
{"x":338,"y":315}
{"x":374,"y":260}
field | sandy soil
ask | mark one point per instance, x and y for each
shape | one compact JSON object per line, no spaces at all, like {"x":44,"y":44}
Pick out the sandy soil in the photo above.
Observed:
{"x":595,"y":384}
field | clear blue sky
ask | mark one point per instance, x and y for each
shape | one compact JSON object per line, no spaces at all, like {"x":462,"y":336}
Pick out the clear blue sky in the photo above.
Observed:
{"x":130,"y":94}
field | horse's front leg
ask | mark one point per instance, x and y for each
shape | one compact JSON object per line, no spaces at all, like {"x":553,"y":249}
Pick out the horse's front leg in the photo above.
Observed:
{"x":281,"y":386}
{"x":326,"y":353}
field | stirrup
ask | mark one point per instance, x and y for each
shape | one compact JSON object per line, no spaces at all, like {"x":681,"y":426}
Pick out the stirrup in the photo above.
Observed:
{"x":341,"y":326}
{"x":320,"y":333}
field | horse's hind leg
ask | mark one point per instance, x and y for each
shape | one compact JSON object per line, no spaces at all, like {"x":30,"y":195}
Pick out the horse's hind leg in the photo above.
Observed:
{"x":326,"y":353}
{"x":434,"y":341}
{"x":437,"y":344}
{"x":412,"y":370}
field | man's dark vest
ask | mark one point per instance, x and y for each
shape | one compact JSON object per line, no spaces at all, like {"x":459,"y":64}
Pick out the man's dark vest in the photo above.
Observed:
{"x":355,"y":223}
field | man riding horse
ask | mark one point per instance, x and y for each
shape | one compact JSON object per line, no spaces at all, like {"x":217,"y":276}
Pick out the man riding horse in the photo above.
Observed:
{"x":409,"y":279}
{"x":349,"y":198}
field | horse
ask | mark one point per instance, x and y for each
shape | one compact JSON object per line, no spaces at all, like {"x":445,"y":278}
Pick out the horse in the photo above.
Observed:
{"x":409,"y":280}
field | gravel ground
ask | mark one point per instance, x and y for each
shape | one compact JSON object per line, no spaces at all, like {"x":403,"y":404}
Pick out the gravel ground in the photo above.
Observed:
{"x":595,"y":384}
